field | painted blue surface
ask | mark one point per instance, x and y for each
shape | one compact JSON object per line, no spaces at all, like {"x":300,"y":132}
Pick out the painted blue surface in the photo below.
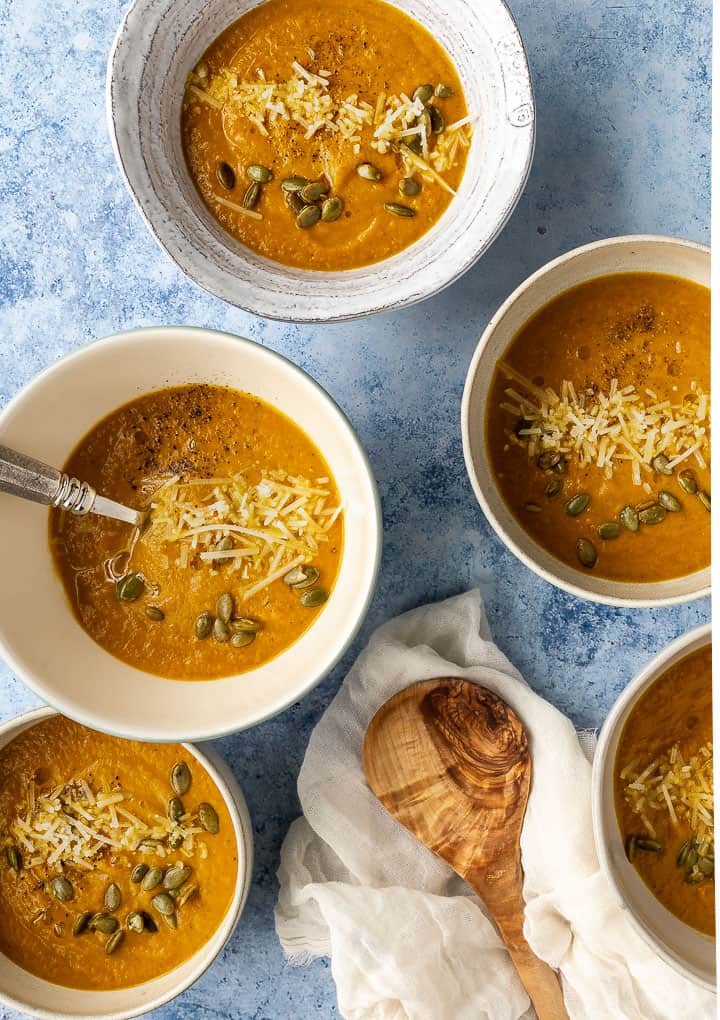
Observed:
{"x":623,"y":111}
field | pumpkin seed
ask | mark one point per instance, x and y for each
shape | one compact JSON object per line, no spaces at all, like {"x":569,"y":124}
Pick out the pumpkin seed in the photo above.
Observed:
{"x":180,"y":778}
{"x":706,"y":866}
{"x":176,"y":876}
{"x":106,"y":924}
{"x":561,"y":467}
{"x":149,"y":920}
{"x":399,"y":210}
{"x":135,"y":922}
{"x":295,"y":202}
{"x":695,"y":878}
{"x":653,"y":514}
{"x":424,"y":93}
{"x":414,"y":145}
{"x":426,"y":122}
{"x":547,"y":460}
{"x":305,"y":579}
{"x":242,"y":639}
{"x":444,"y":91}
{"x":531,"y":507}
{"x":152,"y":879}
{"x":163,"y":903}
{"x":224,"y":545}
{"x":242,"y":625}
{"x":170,"y":920}
{"x":651,"y":845}
{"x":609,"y":530}
{"x":259,"y":174}
{"x":368,"y":172}
{"x":13,"y":857}
{"x":631,"y":848}
{"x":114,"y":941}
{"x":683,"y":852}
{"x":291,"y":184}
{"x":221,"y":632}
{"x":209,"y":818}
{"x":204,"y":625}
{"x":175,"y":840}
{"x":661,"y":464}
{"x":61,"y":889}
{"x":670,"y":502}
{"x":225,"y":607}
{"x":436,"y":119}
{"x":251,"y":196}
{"x":554,"y":487}
{"x":154,"y":613}
{"x":308,"y":217}
{"x":138,"y":873}
{"x":186,"y":894}
{"x":226,"y":175}
{"x":313,"y":597}
{"x":629,"y":518}
{"x":688,"y":481}
{"x":704,"y":498}
{"x":113,"y":897}
{"x":691,"y":859}
{"x":586,"y":552}
{"x":409,"y":186}
{"x":130,"y":587}
{"x":313,"y":191}
{"x":81,"y":922}
{"x":577,"y":504}
{"x":331,"y":209}
{"x":176,"y":809}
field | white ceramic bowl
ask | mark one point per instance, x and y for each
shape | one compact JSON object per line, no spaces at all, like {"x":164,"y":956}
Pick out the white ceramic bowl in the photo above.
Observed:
{"x":634,"y":253}
{"x":158,"y":44}
{"x":684,"y":948}
{"x":62,"y":664}
{"x":23,"y":991}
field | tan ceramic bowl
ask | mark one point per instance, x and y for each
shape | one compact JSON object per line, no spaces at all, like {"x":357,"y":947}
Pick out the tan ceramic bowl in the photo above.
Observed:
{"x":684,"y":948}
{"x":23,"y":991}
{"x":642,"y":253}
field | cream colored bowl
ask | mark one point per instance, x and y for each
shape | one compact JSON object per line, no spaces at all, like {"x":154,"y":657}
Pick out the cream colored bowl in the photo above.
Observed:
{"x":158,"y":44}
{"x":641,"y":253}
{"x":39,"y":635}
{"x":23,"y":991}
{"x":684,"y":948}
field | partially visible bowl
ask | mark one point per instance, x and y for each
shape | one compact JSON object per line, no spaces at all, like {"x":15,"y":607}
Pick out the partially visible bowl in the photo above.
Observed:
{"x":158,"y":44}
{"x":684,"y":948}
{"x":634,"y":253}
{"x":62,"y":664}
{"x":21,"y":990}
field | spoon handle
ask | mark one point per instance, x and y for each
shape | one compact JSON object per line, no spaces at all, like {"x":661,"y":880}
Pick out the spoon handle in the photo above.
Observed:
{"x":28,"y":478}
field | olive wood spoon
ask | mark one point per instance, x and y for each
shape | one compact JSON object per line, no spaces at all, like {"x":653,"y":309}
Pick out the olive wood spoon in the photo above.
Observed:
{"x":450,"y":761}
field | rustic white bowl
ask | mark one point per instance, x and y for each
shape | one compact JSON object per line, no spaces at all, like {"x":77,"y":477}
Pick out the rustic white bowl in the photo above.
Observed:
{"x":60,"y":662}
{"x":639,"y":253}
{"x":158,"y":44}
{"x":684,"y":948}
{"x":23,"y":991}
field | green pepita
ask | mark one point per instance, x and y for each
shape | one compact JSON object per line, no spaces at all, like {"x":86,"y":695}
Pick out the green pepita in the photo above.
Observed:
{"x":113,"y":897}
{"x":186,"y":894}
{"x":688,"y":482}
{"x":251,"y":196}
{"x":221,"y":632}
{"x":631,"y":848}
{"x":61,"y":888}
{"x":209,"y":818}
{"x":243,"y":625}
{"x":138,"y":873}
{"x":554,"y":487}
{"x":368,"y":172}
{"x":609,"y":530}
{"x":704,"y":498}
{"x":313,"y":191}
{"x":226,"y":175}
{"x":424,"y":93}
{"x":409,"y":187}
{"x":154,"y":613}
{"x":106,"y":924}
{"x":444,"y":91}
{"x":399,"y":210}
{"x":242,"y":639}
{"x":113,"y":943}
{"x":291,"y":184}
{"x":163,"y":903}
{"x":586,"y":552}
{"x":176,"y":876}
{"x":13,"y":857}
{"x":683,"y":852}
{"x":152,"y":879}
{"x":548,"y":459}
{"x":135,"y":922}
{"x":331,"y":209}
{"x":692,"y":858}
{"x":629,"y":518}
{"x":130,"y":587}
{"x":180,"y":778}
{"x":650,"y":845}
{"x":170,"y":920}
{"x":414,"y":145}
{"x":259,"y":174}
{"x":295,"y":202}
{"x":81,"y":922}
{"x":224,"y":545}
{"x":176,"y":809}
{"x":175,"y":840}
{"x":561,"y":468}
{"x":706,"y":866}
{"x":313,"y":597}
{"x":694,"y":877}
{"x":577,"y":504}
{"x":308,"y":217}
{"x":306,"y":577}
{"x":437,"y":120}
{"x":532,"y":507}
{"x":225,"y":607}
{"x":661,"y":464}
{"x":654,"y":514}
{"x":204,"y":625}
{"x":670,"y":502}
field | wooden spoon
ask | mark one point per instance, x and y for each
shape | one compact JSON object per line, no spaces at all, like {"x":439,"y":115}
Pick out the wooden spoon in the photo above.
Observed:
{"x":450,"y":761}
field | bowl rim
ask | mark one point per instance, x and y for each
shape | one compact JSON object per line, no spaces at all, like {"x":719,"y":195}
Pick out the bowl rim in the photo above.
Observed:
{"x":234,"y":798}
{"x":641,"y":682}
{"x":571,"y":587}
{"x":56,"y":699}
{"x":204,"y":281}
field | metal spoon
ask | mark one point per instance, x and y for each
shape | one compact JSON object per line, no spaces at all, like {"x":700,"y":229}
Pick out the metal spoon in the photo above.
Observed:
{"x":28,"y":478}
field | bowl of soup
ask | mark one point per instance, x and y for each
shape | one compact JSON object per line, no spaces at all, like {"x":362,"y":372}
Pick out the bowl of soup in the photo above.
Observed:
{"x":653,"y":804}
{"x":320,"y":162}
{"x":586,"y":421}
{"x":258,"y":559}
{"x":124,"y":868}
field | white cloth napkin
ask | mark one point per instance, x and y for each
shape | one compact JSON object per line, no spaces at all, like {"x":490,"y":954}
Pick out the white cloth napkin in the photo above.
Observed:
{"x":407,"y":938}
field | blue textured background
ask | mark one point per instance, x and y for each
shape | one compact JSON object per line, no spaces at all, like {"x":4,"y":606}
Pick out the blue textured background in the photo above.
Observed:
{"x":623,"y":110}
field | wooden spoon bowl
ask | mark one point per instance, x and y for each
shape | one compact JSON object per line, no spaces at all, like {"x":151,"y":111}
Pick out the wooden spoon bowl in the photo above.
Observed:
{"x":450,"y":761}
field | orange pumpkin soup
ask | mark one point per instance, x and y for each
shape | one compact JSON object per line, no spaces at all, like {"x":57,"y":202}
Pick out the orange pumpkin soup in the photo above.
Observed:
{"x":664,"y":790}
{"x":118,"y":860}
{"x":325,"y":136}
{"x":598,"y":427}
{"x":244,"y":540}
